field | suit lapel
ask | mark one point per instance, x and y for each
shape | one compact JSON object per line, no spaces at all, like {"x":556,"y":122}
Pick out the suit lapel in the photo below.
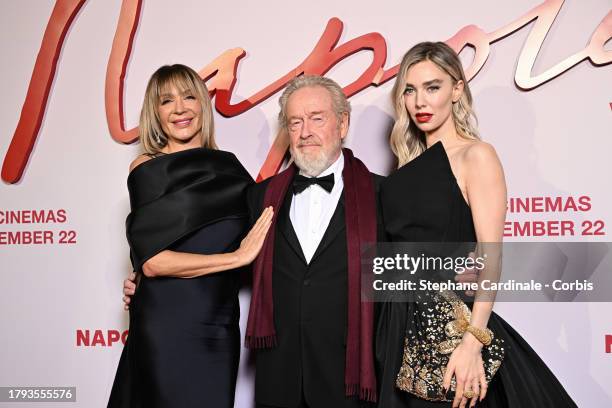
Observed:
{"x":336,"y":225}
{"x":285,"y":226}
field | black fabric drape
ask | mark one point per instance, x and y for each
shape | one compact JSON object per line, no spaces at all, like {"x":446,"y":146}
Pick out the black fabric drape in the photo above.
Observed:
{"x":178,"y":193}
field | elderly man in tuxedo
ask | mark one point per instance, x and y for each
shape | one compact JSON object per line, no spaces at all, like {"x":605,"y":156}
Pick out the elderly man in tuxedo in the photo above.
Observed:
{"x":312,"y":332}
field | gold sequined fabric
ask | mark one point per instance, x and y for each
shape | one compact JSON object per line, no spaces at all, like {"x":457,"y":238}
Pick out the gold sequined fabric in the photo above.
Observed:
{"x":441,"y":319}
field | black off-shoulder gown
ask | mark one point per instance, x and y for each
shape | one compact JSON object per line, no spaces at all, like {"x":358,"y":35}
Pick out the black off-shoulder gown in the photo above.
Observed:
{"x":184,"y":341}
{"x":421,"y":202}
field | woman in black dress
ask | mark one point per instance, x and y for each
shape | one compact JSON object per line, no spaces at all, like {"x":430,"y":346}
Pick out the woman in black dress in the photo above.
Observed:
{"x":449,"y":187}
{"x":188,"y":220}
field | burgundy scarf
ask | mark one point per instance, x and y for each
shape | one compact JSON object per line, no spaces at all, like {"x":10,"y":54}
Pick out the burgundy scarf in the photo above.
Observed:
{"x":360,"y":216}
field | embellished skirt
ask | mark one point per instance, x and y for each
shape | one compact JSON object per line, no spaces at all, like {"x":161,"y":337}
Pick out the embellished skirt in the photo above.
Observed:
{"x":519,"y":379}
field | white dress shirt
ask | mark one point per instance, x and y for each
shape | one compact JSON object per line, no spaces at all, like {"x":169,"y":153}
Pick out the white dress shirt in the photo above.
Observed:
{"x":312,"y":209}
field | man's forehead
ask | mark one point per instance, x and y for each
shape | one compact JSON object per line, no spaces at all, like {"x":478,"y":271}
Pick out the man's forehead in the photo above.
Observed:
{"x":310,"y":99}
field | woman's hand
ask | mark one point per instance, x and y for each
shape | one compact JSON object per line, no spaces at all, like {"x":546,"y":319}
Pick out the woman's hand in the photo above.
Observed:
{"x":129,"y":288}
{"x":252,"y":243}
{"x":466,"y":365}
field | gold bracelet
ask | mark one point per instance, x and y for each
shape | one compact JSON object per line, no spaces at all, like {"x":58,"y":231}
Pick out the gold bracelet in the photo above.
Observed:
{"x":482,"y":335}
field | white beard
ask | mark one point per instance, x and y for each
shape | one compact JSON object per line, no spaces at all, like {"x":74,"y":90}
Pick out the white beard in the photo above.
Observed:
{"x":314,"y":164}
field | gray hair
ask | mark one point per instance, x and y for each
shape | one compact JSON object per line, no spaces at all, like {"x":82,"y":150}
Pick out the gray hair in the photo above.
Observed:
{"x":340,"y":104}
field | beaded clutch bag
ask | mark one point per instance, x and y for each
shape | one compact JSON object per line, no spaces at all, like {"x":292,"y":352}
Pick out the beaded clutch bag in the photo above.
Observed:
{"x":440,"y":322}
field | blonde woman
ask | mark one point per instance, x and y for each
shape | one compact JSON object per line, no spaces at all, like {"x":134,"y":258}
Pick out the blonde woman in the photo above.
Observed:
{"x":186,"y":232}
{"x":449,"y":187}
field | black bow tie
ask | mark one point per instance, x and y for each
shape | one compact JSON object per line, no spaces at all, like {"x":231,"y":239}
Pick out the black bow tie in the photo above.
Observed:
{"x":301,"y":183}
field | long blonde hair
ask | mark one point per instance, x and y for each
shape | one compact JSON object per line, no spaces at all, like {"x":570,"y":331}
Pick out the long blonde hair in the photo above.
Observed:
{"x":407,"y":140}
{"x":151,"y":135}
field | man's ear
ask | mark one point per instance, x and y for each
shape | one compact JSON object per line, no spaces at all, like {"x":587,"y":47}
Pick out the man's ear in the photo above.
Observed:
{"x":344,"y":125}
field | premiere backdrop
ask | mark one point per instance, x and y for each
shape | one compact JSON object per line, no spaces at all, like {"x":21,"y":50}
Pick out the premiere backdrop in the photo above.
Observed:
{"x":73,"y":75}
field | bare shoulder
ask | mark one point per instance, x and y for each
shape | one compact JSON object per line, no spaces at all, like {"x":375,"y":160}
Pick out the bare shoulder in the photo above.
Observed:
{"x":479,"y":154}
{"x":138,"y":161}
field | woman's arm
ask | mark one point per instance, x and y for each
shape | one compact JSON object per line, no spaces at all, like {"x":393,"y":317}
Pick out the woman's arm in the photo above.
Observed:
{"x":186,"y":265}
{"x":486,"y":191}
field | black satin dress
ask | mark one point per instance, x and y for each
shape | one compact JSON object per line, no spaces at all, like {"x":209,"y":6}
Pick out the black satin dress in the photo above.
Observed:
{"x":184,"y":342}
{"x":421,"y":202}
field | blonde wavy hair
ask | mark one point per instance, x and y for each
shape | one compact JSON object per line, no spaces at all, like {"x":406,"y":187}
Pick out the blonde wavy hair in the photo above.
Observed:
{"x":407,"y":140}
{"x":151,"y":135}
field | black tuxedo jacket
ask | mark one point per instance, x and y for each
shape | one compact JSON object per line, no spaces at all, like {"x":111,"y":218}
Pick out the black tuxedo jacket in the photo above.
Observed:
{"x":310,"y":313}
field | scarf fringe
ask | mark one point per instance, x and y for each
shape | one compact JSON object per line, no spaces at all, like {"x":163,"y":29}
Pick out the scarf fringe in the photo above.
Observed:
{"x":264,"y":342}
{"x":365,"y":394}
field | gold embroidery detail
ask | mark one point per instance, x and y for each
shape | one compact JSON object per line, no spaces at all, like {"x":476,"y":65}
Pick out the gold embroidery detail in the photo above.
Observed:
{"x":441,"y":319}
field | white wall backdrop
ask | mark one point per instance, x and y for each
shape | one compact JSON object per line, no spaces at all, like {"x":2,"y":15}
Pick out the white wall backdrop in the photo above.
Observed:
{"x":553,"y":140}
